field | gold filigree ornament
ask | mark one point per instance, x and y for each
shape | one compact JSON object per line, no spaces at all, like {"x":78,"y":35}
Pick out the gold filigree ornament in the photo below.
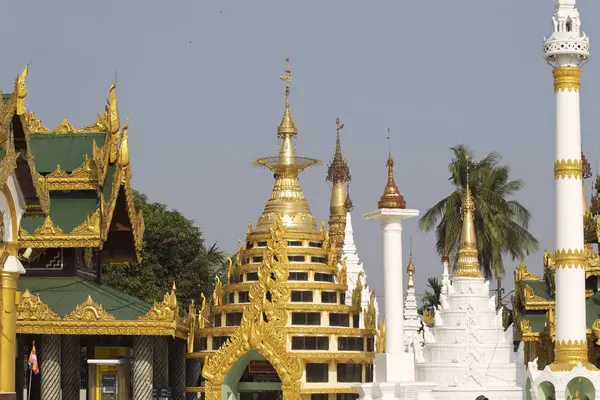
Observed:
{"x":166,"y":310}
{"x":380,"y":339}
{"x":568,"y":353}
{"x":262,"y":326}
{"x":532,"y":301}
{"x":89,"y":310}
{"x":34,"y":125}
{"x":357,"y":292}
{"x":65,"y":127}
{"x":81,"y":178}
{"x":521,"y":274}
{"x":21,"y":90}
{"x":370,"y":313}
{"x":31,"y":308}
{"x":87,"y":234}
{"x":596,"y":330}
{"x":572,"y":169}
{"x":570,"y":258}
{"x":566,"y":78}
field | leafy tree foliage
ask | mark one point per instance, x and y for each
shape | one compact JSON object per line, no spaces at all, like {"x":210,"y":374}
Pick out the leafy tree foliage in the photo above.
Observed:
{"x":500,"y":224}
{"x":174,"y":251}
{"x":432,"y":296}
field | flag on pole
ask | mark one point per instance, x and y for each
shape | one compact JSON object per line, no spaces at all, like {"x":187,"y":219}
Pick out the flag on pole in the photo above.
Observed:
{"x":33,"y":361}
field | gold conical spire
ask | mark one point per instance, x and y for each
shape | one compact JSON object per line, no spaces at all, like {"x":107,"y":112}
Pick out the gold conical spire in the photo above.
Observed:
{"x":287,"y":200}
{"x":468,"y":258}
{"x":391,"y":197}
{"x":287,"y":125}
{"x":348,"y":203}
{"x":338,"y":174}
{"x":410,"y":268}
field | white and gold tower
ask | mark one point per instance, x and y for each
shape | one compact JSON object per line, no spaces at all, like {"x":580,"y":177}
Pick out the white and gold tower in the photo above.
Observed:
{"x":566,"y":50}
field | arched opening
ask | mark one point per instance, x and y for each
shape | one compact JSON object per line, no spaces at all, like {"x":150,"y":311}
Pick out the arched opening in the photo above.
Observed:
{"x":251,"y":377}
{"x":528,"y":389}
{"x":580,"y":388}
{"x":546,"y":391}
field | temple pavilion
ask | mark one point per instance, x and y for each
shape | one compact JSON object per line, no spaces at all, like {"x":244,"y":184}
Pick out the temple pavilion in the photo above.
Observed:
{"x":280,"y":328}
{"x":92,"y":341}
{"x":534,"y":298}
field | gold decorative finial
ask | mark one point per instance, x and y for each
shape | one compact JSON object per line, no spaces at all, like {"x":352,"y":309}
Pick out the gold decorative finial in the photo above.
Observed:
{"x":338,"y":170}
{"x":410,"y":269}
{"x":287,"y":125}
{"x":391,"y":197}
{"x":468,"y":257}
{"x":348,"y":203}
{"x":21,"y":89}
{"x":124,"y":148}
{"x":112,"y":121}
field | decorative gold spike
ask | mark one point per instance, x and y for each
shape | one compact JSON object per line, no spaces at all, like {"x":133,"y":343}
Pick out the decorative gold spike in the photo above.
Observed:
{"x":287,"y":125}
{"x":65,"y":127}
{"x":21,"y":90}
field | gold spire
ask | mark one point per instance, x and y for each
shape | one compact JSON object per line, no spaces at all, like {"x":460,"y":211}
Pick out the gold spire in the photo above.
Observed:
{"x":348,"y":203}
{"x":338,"y":170}
{"x":338,"y":173}
{"x":287,"y":125}
{"x":410,"y":268}
{"x":287,"y":200}
{"x":391,"y":197}
{"x":468,"y":258}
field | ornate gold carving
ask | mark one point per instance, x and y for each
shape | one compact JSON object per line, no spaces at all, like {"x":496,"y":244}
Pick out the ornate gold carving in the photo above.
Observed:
{"x":569,"y":353}
{"x":249,"y":230}
{"x":204,"y":316}
{"x":569,"y":258}
{"x":8,"y":164}
{"x":110,"y":328}
{"x":87,"y":234}
{"x":229,"y":270}
{"x":531,"y":301}
{"x":525,"y":326}
{"x":21,"y":91}
{"x":41,"y":190}
{"x":35,"y":125}
{"x":89,"y":227}
{"x":65,"y":127}
{"x":572,"y":169}
{"x":218,"y":293}
{"x":124,"y":147}
{"x":380,"y":339}
{"x":97,"y":127}
{"x":566,"y":78}
{"x":521,"y":273}
{"x":81,"y":178}
{"x":342,"y":273}
{"x":166,"y":310}
{"x":191,"y":324}
{"x":370,"y":313}
{"x":89,"y":310}
{"x":391,"y":197}
{"x":113,"y":122}
{"x":47,"y":229}
{"x":31,"y":308}
{"x":596,"y":329}
{"x":328,"y":391}
{"x":262,"y":325}
{"x":357,"y":292}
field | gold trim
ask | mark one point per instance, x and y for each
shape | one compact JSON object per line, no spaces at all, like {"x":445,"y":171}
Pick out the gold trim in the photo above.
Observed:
{"x":65,"y":127}
{"x":328,"y":391}
{"x":572,"y":169}
{"x":566,"y":78}
{"x":296,"y":331}
{"x":522,"y":274}
{"x":31,"y":308}
{"x":531,"y":301}
{"x":306,"y":285}
{"x":568,"y":258}
{"x":87,"y":234}
{"x":81,"y":178}
{"x":34,"y":125}
{"x":109,"y":328}
{"x":568,"y":354}
{"x":166,"y":310}
{"x":89,"y":311}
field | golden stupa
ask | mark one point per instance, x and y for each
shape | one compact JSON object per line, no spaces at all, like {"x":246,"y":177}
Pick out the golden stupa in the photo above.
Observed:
{"x":280,"y":328}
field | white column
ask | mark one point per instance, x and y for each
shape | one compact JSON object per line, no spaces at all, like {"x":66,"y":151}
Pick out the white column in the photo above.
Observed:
{"x":393,"y":286}
{"x":570,"y":278}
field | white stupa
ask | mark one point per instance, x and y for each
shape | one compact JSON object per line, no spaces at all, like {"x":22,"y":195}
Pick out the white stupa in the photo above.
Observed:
{"x":468,"y":353}
{"x":356,"y":272}
{"x":412,"y":320}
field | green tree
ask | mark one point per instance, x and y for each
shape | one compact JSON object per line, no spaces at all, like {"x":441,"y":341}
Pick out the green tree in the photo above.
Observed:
{"x":432,"y":296}
{"x":500,"y":224}
{"x":174,"y":251}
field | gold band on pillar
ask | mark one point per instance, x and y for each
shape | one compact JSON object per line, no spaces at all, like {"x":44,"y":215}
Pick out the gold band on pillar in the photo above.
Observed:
{"x":566,"y":78}
{"x":568,"y":258}
{"x":568,"y":353}
{"x":9,"y":324}
{"x":568,"y":169}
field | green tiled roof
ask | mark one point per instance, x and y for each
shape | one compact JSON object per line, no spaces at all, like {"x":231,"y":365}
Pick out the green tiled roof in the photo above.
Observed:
{"x":67,"y":210}
{"x":540,"y":288}
{"x":537,"y":320}
{"x":592,"y":309}
{"x":107,"y":187}
{"x":62,"y":295}
{"x":68,"y":150}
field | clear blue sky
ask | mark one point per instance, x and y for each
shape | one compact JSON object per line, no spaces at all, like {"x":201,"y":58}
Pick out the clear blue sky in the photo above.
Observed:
{"x":199,"y":81}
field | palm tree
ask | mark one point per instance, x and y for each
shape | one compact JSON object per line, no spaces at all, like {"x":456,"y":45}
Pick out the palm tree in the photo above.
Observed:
{"x":431,"y":299}
{"x":500,"y":224}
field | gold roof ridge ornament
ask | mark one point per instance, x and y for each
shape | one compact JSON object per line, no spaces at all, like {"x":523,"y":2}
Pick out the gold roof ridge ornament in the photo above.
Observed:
{"x":89,"y":310}
{"x":21,"y":90}
{"x":112,"y":121}
{"x":467,"y":265}
{"x":287,"y":199}
{"x":391,"y":197}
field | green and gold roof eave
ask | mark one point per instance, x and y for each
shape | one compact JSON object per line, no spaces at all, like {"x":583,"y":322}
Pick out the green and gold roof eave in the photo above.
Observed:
{"x":71,"y":305}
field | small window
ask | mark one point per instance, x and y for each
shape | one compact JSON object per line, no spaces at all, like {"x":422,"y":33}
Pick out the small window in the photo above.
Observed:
{"x":310,"y":318}
{"x":369,"y":372}
{"x":233,"y":319}
{"x":298,"y":276}
{"x":370,"y":344}
{"x":319,"y":260}
{"x":320,"y":277}
{"x":310,"y":343}
{"x":355,"y":321}
{"x":339,"y":320}
{"x":569,"y":25}
{"x":296,"y":258}
{"x":249,"y":245}
{"x":217,"y":341}
{"x":257,"y":259}
{"x":295,"y":243}
{"x":231,"y":298}
{"x":218,"y":321}
{"x":329,"y":297}
{"x":203,"y":344}
{"x":321,"y":396}
{"x":251,"y":276}
{"x":316,"y":245}
{"x":346,"y":396}
{"x":261,"y":244}
{"x":342,"y":298}
{"x":349,"y":373}
{"x":243,"y":297}
{"x":317,"y":372}
{"x":299,"y":296}
{"x":351,"y":344}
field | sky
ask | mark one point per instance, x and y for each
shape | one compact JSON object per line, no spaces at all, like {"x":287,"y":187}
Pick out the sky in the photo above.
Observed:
{"x":199,"y":82}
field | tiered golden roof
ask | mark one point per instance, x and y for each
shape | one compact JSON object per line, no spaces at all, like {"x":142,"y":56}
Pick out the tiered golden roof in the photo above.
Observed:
{"x":467,"y":265}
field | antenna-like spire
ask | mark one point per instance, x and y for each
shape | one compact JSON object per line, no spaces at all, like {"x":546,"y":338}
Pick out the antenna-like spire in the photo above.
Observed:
{"x":410,"y":269}
{"x":468,"y":257}
{"x":287,"y":125}
{"x":391,"y":197}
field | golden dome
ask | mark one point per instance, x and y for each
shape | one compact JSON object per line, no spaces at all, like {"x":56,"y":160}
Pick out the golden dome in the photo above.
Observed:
{"x":391,"y":197}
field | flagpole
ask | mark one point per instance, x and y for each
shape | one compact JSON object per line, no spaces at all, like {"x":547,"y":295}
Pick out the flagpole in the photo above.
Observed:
{"x":29,"y":388}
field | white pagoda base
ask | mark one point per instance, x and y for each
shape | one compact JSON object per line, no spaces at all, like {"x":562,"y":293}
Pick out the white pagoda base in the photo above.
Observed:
{"x":468,"y":353}
{"x":542,"y":384}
